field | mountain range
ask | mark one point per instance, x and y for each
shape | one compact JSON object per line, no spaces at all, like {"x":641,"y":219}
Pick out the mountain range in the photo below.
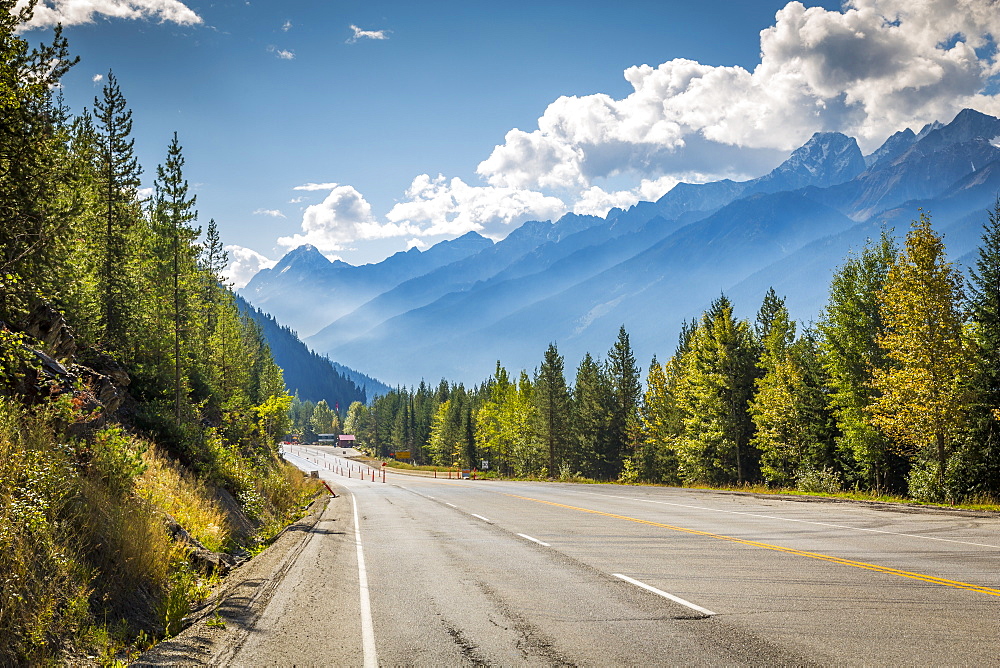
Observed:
{"x":453,"y":310}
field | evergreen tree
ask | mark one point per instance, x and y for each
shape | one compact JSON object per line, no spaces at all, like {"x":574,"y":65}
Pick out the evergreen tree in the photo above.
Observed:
{"x":923,"y":398}
{"x":793,"y":425}
{"x":589,"y":418}
{"x":769,"y":309}
{"x":664,"y":412}
{"x":214,"y":256}
{"x":424,"y":405}
{"x":80,"y":299}
{"x":174,"y":215}
{"x":773,"y":408}
{"x":452,"y":439}
{"x":624,"y":390}
{"x":656,"y":461}
{"x":118,"y":173}
{"x":718,"y":376}
{"x":851,"y":327}
{"x":982,"y":450}
{"x":38,"y":203}
{"x":552,"y":408}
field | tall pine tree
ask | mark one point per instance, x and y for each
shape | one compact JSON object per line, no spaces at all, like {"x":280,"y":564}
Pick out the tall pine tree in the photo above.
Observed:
{"x":851,"y":326}
{"x":983,"y":437}
{"x":589,"y":418}
{"x":624,"y":390}
{"x":552,"y":408}
{"x":118,"y":172}
{"x":174,"y":214}
{"x":718,"y":377}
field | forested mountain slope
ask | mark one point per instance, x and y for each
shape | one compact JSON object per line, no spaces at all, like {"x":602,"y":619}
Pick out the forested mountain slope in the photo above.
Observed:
{"x":310,"y":376}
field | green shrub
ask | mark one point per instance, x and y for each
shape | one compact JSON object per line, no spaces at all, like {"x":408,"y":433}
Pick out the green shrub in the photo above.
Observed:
{"x":819,"y":481}
{"x":44,"y":588}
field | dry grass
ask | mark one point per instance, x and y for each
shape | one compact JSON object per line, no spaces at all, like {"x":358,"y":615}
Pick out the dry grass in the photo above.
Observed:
{"x":177,"y":492}
{"x":87,"y":566}
{"x":286,"y":493}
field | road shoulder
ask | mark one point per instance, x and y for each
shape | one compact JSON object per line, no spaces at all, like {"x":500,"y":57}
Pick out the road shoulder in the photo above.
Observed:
{"x":229,"y":614}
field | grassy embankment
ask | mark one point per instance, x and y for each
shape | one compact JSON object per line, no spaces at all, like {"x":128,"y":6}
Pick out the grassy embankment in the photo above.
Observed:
{"x":89,"y":568}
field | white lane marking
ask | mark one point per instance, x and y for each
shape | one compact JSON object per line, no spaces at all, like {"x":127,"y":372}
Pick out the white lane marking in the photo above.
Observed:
{"x":367,"y":626}
{"x":481,"y":517}
{"x":675,"y":599}
{"x":533,"y":540}
{"x":450,"y":504}
{"x":789,"y":519}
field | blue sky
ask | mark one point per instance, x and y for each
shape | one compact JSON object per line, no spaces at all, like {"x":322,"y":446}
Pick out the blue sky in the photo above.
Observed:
{"x":402,"y":115}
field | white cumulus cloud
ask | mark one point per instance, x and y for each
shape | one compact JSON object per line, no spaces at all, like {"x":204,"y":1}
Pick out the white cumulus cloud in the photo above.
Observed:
{"x":284,"y":54}
{"x":366,"y":34}
{"x":316,"y":186}
{"x":440,"y":206}
{"x":74,"y":12}
{"x":274,"y":213}
{"x":595,"y":201}
{"x":867,"y":70}
{"x":243,"y":264}
{"x":343,"y":217}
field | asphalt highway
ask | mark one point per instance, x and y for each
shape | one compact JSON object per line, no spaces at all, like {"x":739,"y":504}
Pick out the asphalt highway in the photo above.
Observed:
{"x":462,"y":572}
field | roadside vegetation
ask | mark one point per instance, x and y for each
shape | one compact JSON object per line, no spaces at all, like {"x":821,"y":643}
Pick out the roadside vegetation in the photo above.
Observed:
{"x":139,"y":408}
{"x":893,"y":394}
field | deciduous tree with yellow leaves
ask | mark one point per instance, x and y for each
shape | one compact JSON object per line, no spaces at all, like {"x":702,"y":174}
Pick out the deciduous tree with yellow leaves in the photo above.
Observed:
{"x":922,"y":399}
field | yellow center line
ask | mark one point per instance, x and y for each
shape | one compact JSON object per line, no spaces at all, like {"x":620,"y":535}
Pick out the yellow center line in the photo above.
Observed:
{"x":777,"y":548}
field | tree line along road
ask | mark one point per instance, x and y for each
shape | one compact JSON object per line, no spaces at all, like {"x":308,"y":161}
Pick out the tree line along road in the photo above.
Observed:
{"x":418,"y":571}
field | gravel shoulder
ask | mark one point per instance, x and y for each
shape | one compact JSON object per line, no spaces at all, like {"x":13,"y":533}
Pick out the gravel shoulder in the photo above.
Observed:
{"x":223,"y":623}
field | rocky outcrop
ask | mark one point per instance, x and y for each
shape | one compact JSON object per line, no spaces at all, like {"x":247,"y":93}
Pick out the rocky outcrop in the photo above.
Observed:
{"x":200,"y":556}
{"x":96,"y":388}
{"x":47,"y":326}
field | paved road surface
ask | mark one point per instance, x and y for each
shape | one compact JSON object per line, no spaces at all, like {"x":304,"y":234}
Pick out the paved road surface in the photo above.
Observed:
{"x":506,"y":573}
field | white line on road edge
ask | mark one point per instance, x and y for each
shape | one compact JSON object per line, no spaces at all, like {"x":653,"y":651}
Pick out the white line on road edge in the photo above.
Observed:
{"x":533,"y":540}
{"x":450,"y":504}
{"x":481,"y":517}
{"x":367,"y":627}
{"x":664,"y":594}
